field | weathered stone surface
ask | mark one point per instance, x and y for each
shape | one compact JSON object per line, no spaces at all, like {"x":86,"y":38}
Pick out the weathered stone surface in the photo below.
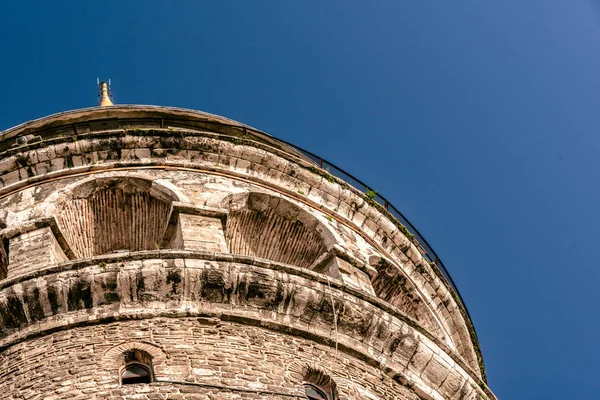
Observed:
{"x":198,"y":353}
{"x":225,"y":256}
{"x":29,"y":250}
{"x":199,"y":232}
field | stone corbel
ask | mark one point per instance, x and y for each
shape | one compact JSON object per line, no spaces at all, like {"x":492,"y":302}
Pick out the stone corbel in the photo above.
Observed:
{"x":36,"y":242}
{"x":194,"y":227}
{"x":339,"y":264}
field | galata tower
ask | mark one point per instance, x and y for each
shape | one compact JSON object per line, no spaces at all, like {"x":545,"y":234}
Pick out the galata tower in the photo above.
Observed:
{"x":161,"y":253}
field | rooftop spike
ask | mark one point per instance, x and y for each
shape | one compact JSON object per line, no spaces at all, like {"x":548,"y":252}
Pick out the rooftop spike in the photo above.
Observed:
{"x":105,"y":94}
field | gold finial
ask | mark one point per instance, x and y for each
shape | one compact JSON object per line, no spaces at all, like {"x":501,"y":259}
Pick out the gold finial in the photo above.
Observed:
{"x":104,"y":94}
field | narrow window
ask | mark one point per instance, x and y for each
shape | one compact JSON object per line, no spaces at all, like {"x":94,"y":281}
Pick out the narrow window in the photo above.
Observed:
{"x":135,"y":373}
{"x":318,"y":385}
{"x":314,"y":393}
{"x":136,"y":367}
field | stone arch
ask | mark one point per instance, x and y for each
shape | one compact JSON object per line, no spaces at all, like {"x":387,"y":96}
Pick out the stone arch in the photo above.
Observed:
{"x":309,"y":374}
{"x":108,"y":214}
{"x":271,"y":227}
{"x":171,"y":190}
{"x":131,"y":358}
{"x":392,"y":285}
{"x":153,"y":350}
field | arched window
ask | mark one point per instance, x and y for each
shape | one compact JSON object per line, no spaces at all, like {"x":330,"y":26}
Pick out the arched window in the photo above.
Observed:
{"x":136,"y":367}
{"x":314,"y":393}
{"x":135,"y":373}
{"x":318,"y":385}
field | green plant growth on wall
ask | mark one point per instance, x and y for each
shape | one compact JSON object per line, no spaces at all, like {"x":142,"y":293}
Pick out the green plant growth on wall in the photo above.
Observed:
{"x":371,"y":194}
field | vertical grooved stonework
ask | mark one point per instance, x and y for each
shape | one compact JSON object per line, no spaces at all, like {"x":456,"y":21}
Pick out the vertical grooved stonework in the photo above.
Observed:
{"x":269,"y":235}
{"x":111,"y":220}
{"x":392,"y":286}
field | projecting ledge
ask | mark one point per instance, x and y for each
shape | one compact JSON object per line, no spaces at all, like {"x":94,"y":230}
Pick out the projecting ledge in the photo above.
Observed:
{"x":236,"y":288}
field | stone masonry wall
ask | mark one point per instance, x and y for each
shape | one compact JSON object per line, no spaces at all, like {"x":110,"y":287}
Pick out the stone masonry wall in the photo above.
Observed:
{"x":265,"y":166}
{"x":222,"y":253}
{"x":74,"y":364}
{"x":265,"y":242}
{"x":251,"y":291}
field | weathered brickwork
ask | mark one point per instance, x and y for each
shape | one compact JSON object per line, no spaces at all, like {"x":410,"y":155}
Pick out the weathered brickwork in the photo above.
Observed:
{"x":197,"y":350}
{"x":114,"y":219}
{"x":225,"y":263}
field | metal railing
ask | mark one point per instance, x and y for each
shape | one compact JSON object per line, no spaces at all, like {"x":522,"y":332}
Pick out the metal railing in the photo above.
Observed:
{"x":421,"y":243}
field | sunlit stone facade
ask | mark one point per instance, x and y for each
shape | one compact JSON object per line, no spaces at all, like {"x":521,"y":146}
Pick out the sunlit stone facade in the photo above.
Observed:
{"x":159,"y":253}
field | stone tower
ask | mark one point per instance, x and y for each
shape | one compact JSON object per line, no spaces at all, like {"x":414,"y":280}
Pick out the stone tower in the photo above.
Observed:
{"x":161,"y":253}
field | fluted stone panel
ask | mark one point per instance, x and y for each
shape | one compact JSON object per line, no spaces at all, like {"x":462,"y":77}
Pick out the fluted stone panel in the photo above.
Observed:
{"x":112,"y":220}
{"x":272,"y":236}
{"x":391,"y":285}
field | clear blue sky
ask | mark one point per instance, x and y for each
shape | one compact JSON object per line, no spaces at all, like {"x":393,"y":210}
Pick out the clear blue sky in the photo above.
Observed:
{"x":478,"y":119}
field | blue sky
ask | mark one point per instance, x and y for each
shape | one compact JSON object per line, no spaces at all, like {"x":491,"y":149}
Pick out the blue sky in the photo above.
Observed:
{"x":478,"y":119}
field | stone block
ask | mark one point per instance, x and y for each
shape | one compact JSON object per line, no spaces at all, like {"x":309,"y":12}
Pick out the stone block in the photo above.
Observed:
{"x":199,"y":232}
{"x":34,"y":249}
